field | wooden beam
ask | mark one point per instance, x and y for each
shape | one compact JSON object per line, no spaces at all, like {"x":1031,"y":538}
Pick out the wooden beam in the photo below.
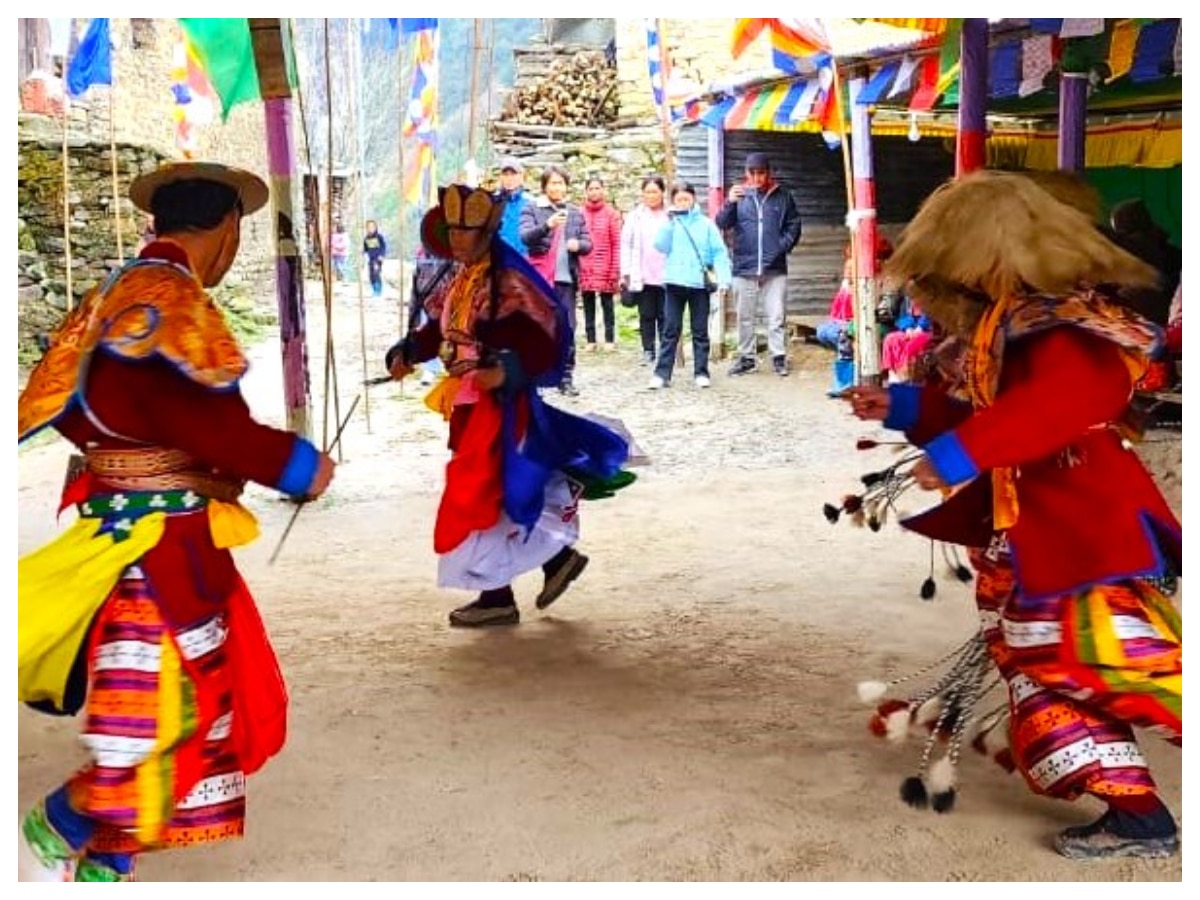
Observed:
{"x":267,"y":39}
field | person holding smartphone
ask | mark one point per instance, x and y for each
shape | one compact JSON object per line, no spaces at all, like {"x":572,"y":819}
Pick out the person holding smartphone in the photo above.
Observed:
{"x":765,"y":224}
{"x":556,"y":235}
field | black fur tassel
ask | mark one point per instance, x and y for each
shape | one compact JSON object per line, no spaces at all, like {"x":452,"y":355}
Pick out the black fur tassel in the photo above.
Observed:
{"x":943,"y":802}
{"x":912,"y":792}
{"x":928,"y":589}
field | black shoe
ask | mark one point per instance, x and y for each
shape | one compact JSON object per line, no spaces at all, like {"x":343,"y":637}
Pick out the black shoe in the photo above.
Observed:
{"x":475,"y":616}
{"x":743,"y":364}
{"x":560,"y":574}
{"x":567,"y":388}
{"x":781,"y":366}
{"x":1121,"y":834}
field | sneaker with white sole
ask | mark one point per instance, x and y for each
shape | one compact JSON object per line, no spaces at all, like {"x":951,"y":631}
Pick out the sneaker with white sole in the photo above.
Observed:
{"x":656,"y":383}
{"x":703,"y":381}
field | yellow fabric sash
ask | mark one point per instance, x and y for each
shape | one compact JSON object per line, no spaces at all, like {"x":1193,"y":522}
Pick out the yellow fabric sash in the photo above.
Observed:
{"x":59,"y":588}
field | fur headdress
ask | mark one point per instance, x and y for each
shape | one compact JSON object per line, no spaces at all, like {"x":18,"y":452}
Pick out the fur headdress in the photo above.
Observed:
{"x":990,"y":235}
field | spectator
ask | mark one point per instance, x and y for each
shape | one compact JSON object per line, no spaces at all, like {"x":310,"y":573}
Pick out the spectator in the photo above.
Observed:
{"x":339,"y":251}
{"x":375,"y":248}
{"x":766,"y":225}
{"x":643,"y":267}
{"x":600,"y":270}
{"x":692,"y":245}
{"x":556,"y":235}
{"x":512,"y":193}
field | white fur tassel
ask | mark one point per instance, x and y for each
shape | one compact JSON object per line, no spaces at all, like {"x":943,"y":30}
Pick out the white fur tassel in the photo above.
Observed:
{"x":928,"y":712}
{"x":941,"y":776}
{"x":871,"y":691}
{"x":896,"y":725}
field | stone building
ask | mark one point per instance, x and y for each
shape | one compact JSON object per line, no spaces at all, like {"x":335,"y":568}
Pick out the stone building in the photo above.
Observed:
{"x":136,"y":117}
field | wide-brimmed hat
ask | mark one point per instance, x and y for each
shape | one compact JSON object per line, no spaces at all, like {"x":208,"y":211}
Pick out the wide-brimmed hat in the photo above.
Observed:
{"x":251,"y":190}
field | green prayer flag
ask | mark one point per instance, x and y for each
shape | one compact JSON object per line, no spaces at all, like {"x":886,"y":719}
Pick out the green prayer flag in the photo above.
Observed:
{"x":224,"y":49}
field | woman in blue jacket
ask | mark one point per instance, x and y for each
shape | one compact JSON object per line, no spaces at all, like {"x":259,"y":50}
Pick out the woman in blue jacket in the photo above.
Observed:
{"x":692,"y":245}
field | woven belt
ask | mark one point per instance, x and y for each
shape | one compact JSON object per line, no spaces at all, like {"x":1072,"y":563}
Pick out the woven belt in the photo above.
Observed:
{"x":156,"y":469}
{"x":142,"y":461}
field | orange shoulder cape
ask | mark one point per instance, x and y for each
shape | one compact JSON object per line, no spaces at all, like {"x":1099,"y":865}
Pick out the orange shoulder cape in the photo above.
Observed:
{"x":148,"y":308}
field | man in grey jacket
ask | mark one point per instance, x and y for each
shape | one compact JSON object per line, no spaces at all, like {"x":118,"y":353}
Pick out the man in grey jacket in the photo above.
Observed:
{"x":766,"y":225}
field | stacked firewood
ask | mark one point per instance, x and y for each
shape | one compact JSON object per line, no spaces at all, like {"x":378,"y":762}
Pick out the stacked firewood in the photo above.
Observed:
{"x":578,"y":88}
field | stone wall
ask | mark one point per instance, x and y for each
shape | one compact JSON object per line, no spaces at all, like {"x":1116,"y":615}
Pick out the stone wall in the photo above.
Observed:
{"x":699,"y":49}
{"x":137,"y":116}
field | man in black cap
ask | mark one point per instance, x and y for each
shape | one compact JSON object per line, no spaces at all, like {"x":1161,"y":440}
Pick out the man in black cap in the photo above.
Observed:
{"x":512,"y":195}
{"x":766,"y":225}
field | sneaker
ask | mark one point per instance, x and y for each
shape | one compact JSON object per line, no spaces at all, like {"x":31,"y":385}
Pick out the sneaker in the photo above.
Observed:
{"x":781,"y":366}
{"x":556,"y":584}
{"x":743,"y":364}
{"x":567,"y":388}
{"x":42,"y":855}
{"x":610,"y":347}
{"x":656,"y":383}
{"x":474,"y":616}
{"x":94,"y":870}
{"x":703,"y":381}
{"x":1100,"y":840}
{"x":648,"y":358}
{"x":590,"y":346}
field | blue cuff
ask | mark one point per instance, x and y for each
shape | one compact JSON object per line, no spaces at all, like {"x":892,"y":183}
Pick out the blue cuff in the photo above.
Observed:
{"x":300,"y":470}
{"x":950,"y":459}
{"x":904,"y":406}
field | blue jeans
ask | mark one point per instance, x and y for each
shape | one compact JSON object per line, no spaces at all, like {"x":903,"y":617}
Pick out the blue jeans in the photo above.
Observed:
{"x":677,"y":298}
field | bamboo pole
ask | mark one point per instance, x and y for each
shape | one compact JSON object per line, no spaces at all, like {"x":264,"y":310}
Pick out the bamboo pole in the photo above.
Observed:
{"x":471,"y":111}
{"x":66,"y":180}
{"x":356,"y":79}
{"x":402,"y":202}
{"x":331,"y":388}
{"x":664,"y":109}
{"x":116,"y":188}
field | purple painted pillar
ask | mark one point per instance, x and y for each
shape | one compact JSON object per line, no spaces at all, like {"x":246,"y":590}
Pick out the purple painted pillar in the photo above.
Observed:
{"x":1072,"y":120}
{"x":971,"y":151}
{"x":289,"y":283}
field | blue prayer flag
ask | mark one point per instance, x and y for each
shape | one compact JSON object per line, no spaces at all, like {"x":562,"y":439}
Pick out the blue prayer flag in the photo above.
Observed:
{"x":92,"y":62}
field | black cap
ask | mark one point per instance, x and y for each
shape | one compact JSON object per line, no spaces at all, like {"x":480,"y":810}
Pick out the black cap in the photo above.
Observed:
{"x":758,"y":161}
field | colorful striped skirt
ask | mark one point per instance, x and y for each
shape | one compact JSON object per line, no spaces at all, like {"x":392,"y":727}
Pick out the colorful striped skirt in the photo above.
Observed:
{"x":1082,"y":671}
{"x":164,"y":770}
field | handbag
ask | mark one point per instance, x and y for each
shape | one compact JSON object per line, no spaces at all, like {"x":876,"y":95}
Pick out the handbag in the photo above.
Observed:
{"x":629,"y":299}
{"x":710,"y":276}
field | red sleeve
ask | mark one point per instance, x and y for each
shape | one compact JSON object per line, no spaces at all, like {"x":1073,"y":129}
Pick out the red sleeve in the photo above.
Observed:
{"x":151,"y":401}
{"x":937,"y":412}
{"x":1056,"y":385}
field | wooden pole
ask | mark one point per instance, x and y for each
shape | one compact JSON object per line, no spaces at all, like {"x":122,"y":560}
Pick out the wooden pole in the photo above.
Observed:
{"x":471,"y":110}
{"x":331,"y":389}
{"x":355,"y":48}
{"x":66,"y":202}
{"x":402,"y":203}
{"x":116,"y":188}
{"x":664,"y":109}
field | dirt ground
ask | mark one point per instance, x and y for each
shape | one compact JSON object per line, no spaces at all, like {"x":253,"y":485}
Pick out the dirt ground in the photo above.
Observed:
{"x":687,"y":711}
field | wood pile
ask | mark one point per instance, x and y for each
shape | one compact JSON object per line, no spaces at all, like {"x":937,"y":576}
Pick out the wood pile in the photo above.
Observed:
{"x":563,"y":88}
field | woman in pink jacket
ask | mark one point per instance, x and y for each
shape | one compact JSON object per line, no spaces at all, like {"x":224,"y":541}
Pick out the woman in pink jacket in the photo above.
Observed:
{"x":643,"y":268}
{"x":600,"y":270}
